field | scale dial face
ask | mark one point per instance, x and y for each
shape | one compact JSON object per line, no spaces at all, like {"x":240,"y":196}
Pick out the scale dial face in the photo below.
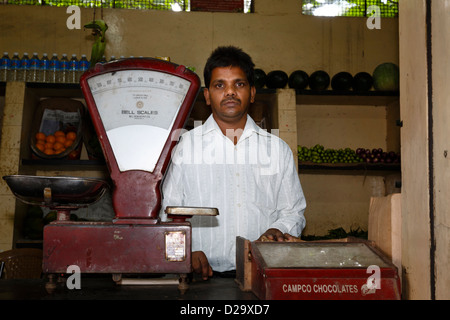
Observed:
{"x":138,"y":109}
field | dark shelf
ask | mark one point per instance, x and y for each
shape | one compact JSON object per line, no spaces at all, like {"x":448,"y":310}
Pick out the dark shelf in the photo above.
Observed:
{"x":62,"y":162}
{"x":72,"y":90}
{"x":371,"y":93}
{"x":347,"y":168}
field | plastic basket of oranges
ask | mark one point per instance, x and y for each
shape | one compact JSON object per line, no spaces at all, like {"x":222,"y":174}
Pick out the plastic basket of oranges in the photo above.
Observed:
{"x":57,"y":132}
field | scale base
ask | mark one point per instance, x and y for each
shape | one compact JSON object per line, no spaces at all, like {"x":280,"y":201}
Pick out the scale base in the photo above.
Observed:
{"x":107,"y":247}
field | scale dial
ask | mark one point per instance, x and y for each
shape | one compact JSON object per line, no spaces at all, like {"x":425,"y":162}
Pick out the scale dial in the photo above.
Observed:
{"x":138,"y":109}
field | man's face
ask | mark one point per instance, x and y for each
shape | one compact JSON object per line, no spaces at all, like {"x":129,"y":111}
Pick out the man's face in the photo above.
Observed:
{"x":229,"y":94}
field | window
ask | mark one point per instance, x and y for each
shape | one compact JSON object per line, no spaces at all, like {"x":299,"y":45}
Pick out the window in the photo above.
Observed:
{"x":350,"y":8}
{"x":174,"y":5}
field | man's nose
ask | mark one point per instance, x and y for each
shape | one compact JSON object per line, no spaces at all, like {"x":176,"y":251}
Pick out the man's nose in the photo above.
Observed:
{"x":230,"y":91}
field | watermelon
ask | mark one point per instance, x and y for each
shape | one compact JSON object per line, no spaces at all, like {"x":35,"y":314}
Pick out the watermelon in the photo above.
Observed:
{"x":342,"y":81}
{"x":362,"y":81}
{"x":298,"y":80}
{"x":319,"y":80}
{"x":260,"y":78}
{"x":276,"y":79}
{"x":386,"y":77}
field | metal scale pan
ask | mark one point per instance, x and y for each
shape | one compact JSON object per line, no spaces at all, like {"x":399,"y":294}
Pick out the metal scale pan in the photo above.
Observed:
{"x":62,"y":194}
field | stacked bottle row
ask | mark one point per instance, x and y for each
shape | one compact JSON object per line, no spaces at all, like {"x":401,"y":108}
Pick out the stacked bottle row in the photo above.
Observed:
{"x":42,"y":69}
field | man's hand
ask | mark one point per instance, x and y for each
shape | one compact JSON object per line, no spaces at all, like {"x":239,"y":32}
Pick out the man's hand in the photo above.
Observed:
{"x":201,"y":265}
{"x":277,"y":235}
{"x":272,"y":235}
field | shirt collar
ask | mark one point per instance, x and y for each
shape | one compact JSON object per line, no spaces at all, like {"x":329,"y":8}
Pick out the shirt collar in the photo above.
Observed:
{"x":250,"y":127}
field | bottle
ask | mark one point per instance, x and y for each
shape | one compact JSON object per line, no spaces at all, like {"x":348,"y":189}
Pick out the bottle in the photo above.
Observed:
{"x":53,"y":69}
{"x":24,"y":67}
{"x":112,"y":58}
{"x":5,"y":63}
{"x":63,"y":69}
{"x":33,"y":70}
{"x":83,"y":66}
{"x":13,"y":74}
{"x":44,"y":65}
{"x":73,"y":69}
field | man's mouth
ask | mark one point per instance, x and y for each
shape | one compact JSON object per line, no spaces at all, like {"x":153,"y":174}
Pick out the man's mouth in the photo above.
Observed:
{"x":230,"y":102}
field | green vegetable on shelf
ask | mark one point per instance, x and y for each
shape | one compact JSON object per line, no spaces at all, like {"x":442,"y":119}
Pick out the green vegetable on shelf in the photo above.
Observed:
{"x":318,"y":154}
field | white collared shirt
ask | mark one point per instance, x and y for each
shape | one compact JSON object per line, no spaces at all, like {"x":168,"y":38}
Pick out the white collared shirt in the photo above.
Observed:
{"x":254,"y":185}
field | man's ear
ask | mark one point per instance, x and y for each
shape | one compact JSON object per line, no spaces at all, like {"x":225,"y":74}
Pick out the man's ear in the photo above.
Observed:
{"x":206,"y":94}
{"x":252,"y":94}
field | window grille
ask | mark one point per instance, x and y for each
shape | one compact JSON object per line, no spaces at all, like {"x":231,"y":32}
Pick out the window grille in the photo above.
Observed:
{"x":173,"y":5}
{"x":350,"y":8}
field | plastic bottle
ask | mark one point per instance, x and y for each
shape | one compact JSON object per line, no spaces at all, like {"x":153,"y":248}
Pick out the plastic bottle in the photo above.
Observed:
{"x":83,"y":66}
{"x":13,"y":74}
{"x":33,"y":70}
{"x":5,"y":63}
{"x":24,"y":67}
{"x":53,"y":69}
{"x":73,"y":69}
{"x":63,"y":69}
{"x":44,"y":66}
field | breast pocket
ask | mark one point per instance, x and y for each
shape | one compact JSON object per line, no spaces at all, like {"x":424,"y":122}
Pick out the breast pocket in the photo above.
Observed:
{"x":265,"y":191}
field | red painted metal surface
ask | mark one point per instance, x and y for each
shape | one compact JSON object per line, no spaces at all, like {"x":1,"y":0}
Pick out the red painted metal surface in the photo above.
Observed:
{"x":105,"y":247}
{"x":321,"y":283}
{"x":137,"y":187}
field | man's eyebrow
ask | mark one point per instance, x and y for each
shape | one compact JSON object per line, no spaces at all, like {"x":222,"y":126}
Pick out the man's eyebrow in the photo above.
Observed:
{"x":234,"y":80}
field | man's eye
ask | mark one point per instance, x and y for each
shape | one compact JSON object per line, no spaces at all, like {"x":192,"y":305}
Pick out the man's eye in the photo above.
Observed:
{"x":240,"y":84}
{"x":219,"y":85}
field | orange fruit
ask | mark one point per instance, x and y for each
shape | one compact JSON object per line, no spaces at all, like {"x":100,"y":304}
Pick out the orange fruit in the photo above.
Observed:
{"x":68,"y":143}
{"x":40,"y":136}
{"x":59,"y":133}
{"x":40,"y":146}
{"x":57,"y":146}
{"x":40,"y":141}
{"x":48,"y":145}
{"x":61,"y":139}
{"x":60,"y":150}
{"x":71,"y":135}
{"x":49,"y":151}
{"x":50,"y":138}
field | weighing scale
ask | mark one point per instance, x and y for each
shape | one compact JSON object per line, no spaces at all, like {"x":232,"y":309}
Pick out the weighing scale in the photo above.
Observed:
{"x":138,"y":108}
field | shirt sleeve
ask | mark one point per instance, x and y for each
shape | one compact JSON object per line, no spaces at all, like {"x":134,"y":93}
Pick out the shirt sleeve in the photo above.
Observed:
{"x":291,"y":203}
{"x":172,"y":188}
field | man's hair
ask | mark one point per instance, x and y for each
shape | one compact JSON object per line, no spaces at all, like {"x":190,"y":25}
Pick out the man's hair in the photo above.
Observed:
{"x":229,"y":56}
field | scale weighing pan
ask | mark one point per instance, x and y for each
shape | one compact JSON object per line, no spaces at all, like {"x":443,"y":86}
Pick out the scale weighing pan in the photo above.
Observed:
{"x":56,"y":192}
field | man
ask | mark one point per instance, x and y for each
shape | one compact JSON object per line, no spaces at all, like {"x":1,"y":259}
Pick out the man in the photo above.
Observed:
{"x":231,"y":164}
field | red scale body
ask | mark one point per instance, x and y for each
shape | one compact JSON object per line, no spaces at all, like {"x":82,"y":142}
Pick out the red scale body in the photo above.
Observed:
{"x":135,"y":241}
